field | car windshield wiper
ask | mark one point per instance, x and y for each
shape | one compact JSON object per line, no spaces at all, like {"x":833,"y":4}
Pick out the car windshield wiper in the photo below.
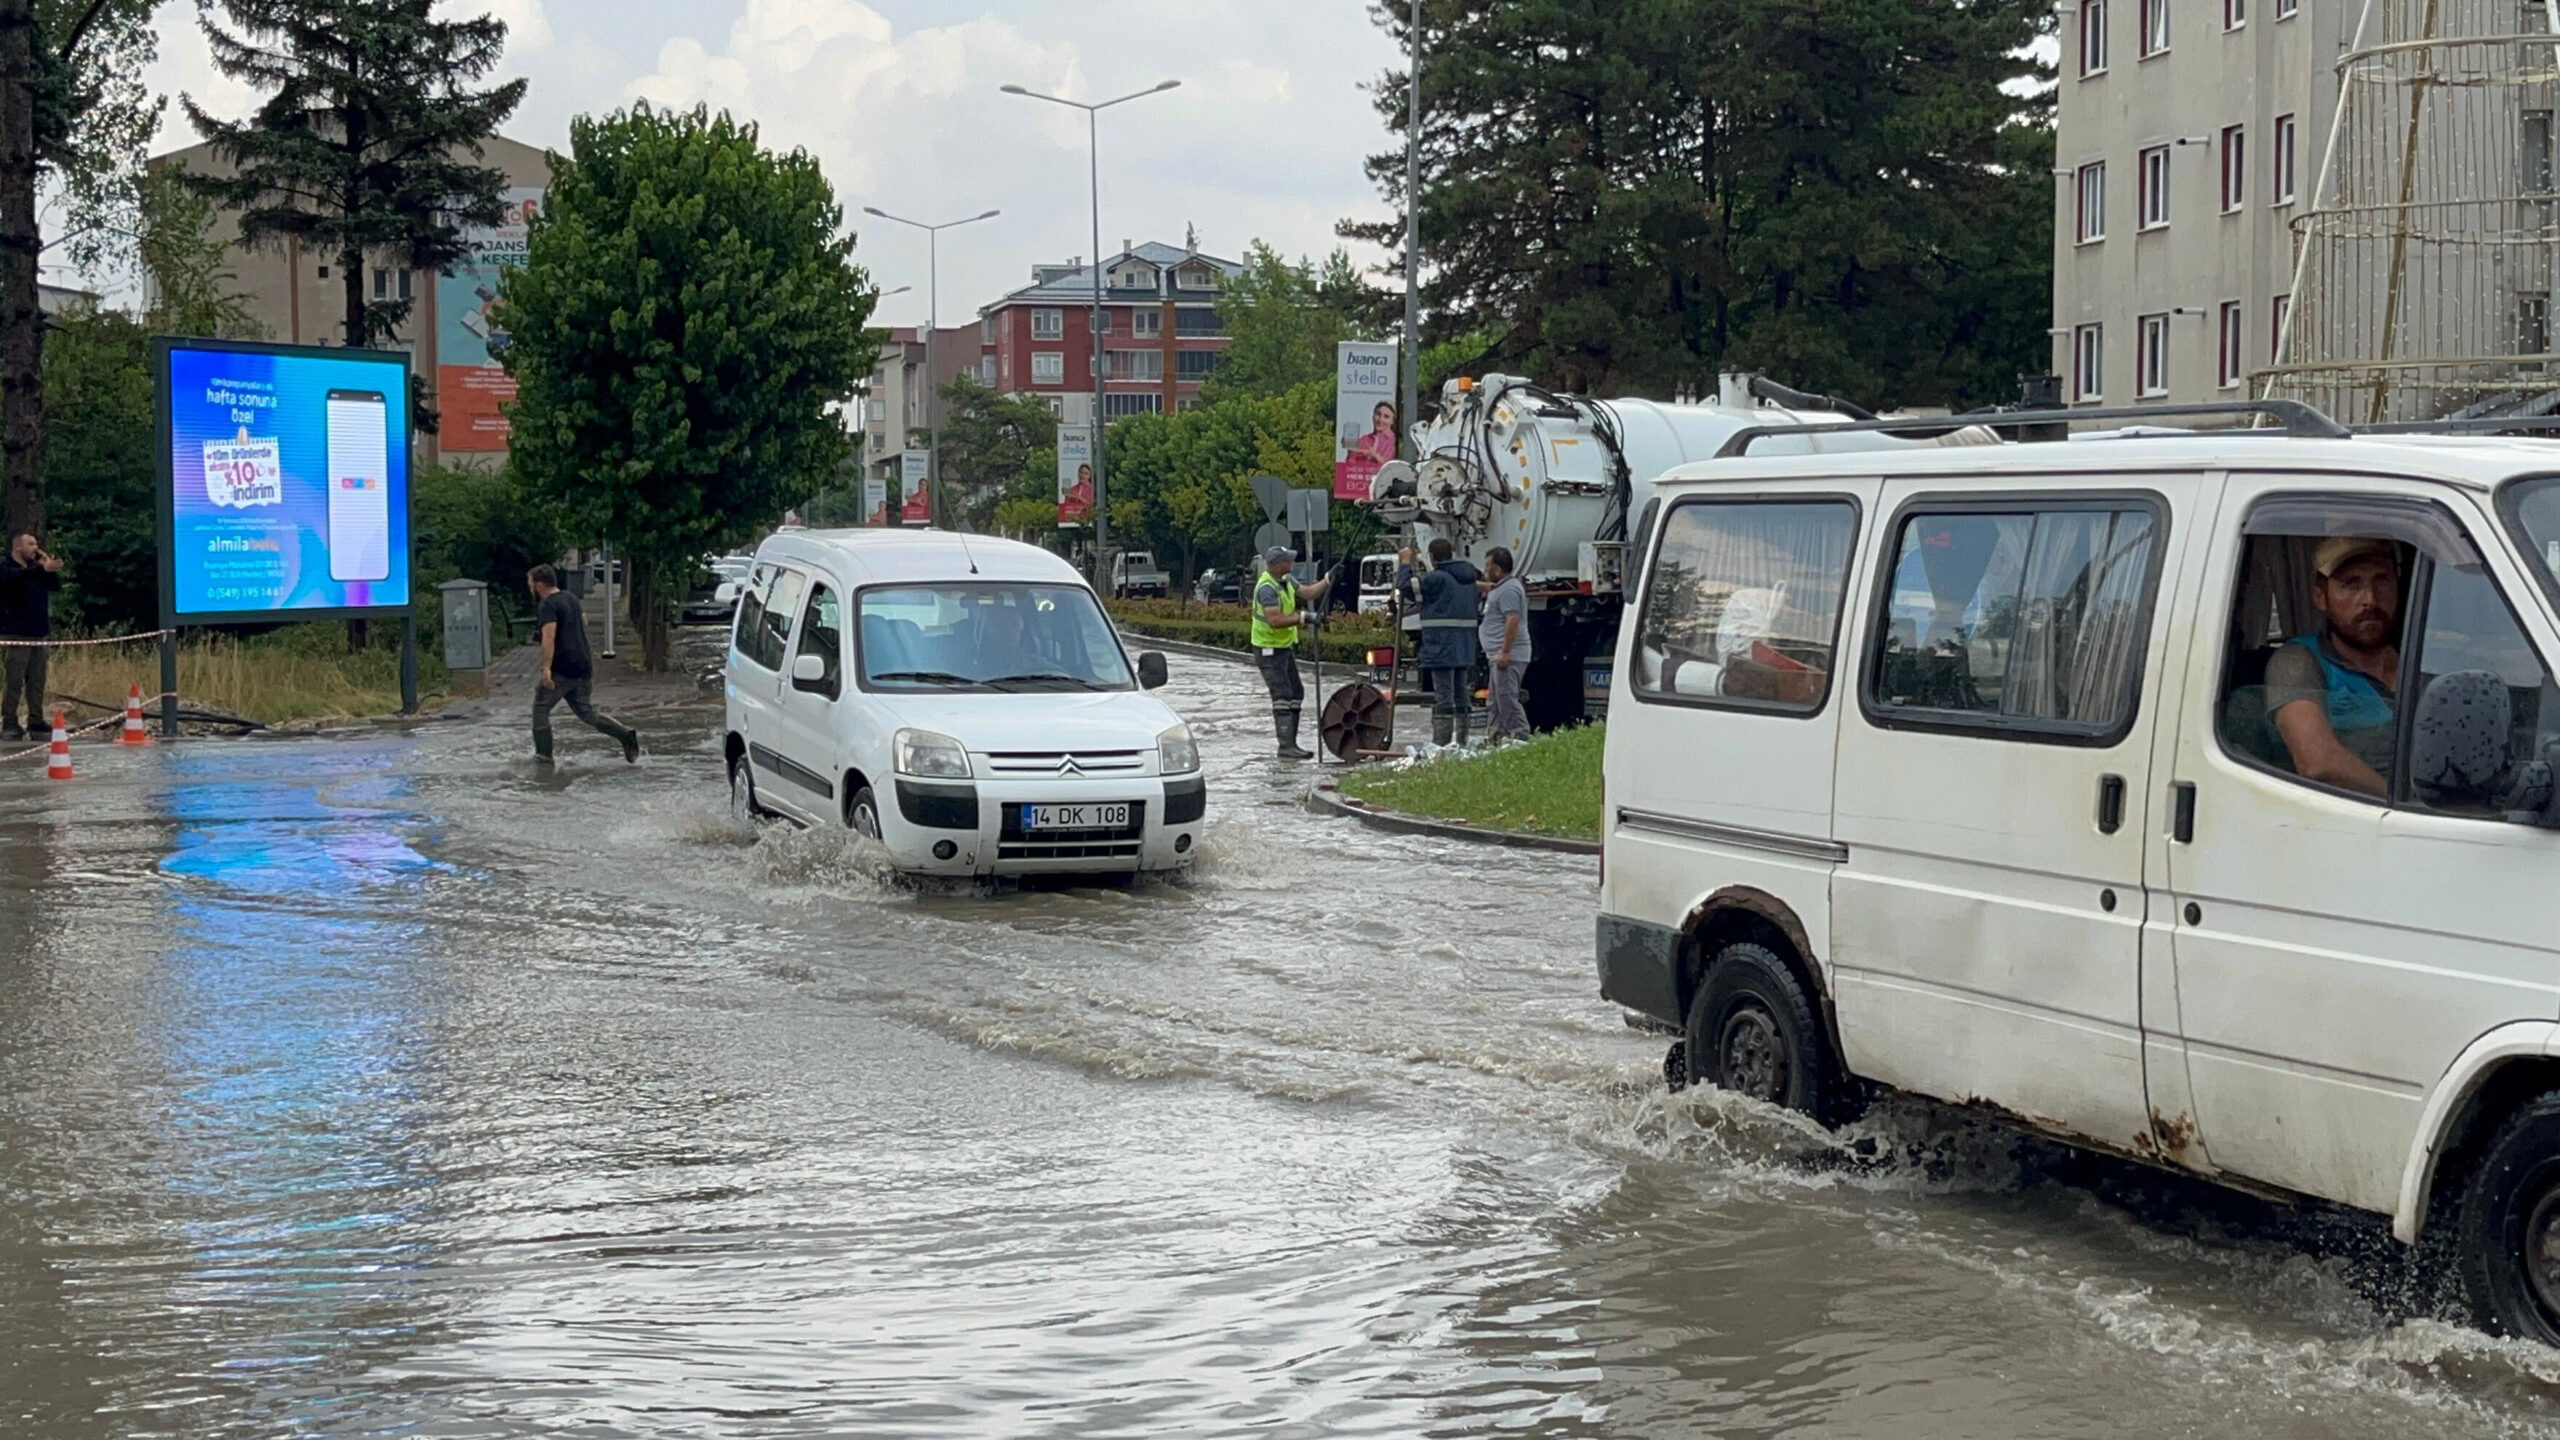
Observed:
{"x":1043,"y":677}
{"x":925,"y":677}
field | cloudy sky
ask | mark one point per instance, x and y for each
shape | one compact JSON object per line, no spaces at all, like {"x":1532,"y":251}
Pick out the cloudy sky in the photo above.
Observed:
{"x":898,"y":99}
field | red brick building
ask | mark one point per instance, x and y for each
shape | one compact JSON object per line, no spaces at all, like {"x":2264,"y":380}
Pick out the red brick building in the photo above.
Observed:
{"x":1161,"y":335}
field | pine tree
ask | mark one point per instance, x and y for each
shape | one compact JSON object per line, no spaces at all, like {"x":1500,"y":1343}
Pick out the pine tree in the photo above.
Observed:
{"x":365,"y":146}
{"x":1633,"y":194}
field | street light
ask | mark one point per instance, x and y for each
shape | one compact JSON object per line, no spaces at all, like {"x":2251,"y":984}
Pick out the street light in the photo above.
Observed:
{"x":1093,"y":152}
{"x":933,"y":322}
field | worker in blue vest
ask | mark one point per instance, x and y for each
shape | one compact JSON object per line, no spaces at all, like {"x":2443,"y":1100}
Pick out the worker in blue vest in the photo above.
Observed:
{"x":1277,"y":624}
{"x":1447,"y":598}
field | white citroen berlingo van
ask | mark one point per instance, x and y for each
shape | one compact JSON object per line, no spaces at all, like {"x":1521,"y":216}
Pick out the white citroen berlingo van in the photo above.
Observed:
{"x":962,"y":700}
{"x":2186,"y":795}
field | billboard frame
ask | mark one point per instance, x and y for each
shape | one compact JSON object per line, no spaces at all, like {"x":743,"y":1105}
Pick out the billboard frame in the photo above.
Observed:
{"x":165,"y":501}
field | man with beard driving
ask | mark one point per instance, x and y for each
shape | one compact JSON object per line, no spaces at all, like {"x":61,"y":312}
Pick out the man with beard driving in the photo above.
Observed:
{"x":2331,"y":696}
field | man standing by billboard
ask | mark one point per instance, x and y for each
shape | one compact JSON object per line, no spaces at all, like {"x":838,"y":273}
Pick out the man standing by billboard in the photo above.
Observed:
{"x":567,"y":671}
{"x":27,"y":580}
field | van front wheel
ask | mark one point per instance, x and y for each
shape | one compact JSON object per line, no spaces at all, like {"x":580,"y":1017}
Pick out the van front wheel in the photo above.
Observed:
{"x":1752,"y":1031}
{"x":864,"y":814}
{"x":2508,"y":1236}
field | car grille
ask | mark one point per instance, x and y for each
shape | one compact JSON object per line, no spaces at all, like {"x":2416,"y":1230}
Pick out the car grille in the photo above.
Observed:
{"x":1021,"y":763}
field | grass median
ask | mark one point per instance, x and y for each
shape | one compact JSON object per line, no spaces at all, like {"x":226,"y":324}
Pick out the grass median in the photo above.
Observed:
{"x":1549,"y":785}
{"x":300,"y":674}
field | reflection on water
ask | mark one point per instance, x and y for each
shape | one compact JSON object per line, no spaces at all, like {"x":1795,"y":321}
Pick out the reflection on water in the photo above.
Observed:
{"x":389,"y":1087}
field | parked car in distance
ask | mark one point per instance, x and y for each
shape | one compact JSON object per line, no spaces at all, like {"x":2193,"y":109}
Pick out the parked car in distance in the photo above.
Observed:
{"x":1217,"y":586}
{"x":2186,"y":796}
{"x":962,"y":700}
{"x":1377,"y":583}
{"x":713,"y":604}
{"x":1135,"y":572}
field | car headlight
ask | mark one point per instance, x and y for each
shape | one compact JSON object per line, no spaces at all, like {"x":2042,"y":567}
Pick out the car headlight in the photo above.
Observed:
{"x":1176,"y":752}
{"x":937,"y":757}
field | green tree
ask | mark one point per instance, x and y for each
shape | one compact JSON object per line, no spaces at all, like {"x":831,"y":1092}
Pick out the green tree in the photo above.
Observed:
{"x":1633,"y":194}
{"x":988,"y":441}
{"x":687,"y":316}
{"x":365,"y":144}
{"x":194,"y":289}
{"x":1283,"y":320}
{"x":101,"y":468}
{"x":74,"y":114}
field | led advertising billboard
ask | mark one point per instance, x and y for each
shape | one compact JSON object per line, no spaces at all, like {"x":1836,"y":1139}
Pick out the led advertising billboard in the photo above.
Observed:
{"x":284,"y":482}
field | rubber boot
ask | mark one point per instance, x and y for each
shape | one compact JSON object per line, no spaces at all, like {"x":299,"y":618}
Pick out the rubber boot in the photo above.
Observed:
{"x":1284,"y":723}
{"x":1466,"y":725}
{"x":1440,"y":727}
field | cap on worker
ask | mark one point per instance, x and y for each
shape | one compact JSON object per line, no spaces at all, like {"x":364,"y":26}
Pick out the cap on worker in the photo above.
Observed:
{"x":2337,"y":550}
{"x":1278,"y":553}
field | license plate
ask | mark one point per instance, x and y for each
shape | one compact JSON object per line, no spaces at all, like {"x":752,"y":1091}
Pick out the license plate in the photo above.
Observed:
{"x":1075,"y":817}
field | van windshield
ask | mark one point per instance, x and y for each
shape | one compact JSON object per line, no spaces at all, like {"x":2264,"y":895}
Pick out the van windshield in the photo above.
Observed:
{"x":2533,"y":509}
{"x":998,"y":638}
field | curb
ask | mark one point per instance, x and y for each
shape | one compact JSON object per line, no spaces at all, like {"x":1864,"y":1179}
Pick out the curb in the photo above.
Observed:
{"x":1323,"y":798}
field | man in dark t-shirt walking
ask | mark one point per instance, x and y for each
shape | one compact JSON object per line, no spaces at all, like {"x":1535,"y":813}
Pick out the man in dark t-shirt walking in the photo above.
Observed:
{"x":567,"y":671}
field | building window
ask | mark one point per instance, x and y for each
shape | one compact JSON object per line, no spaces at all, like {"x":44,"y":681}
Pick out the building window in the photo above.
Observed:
{"x":2151,"y":358}
{"x":2092,"y":210}
{"x":1146,"y":324}
{"x":1136,"y":364}
{"x":1743,"y":606}
{"x":1048,"y":367}
{"x":2151,"y":189}
{"x":390,"y":284}
{"x":2233,"y":361}
{"x":2533,"y":170}
{"x":2088,"y":363}
{"x":1198,"y":277}
{"x":2155,"y":27}
{"x":2235,"y":13}
{"x":2235,"y":167}
{"x":2280,"y":318}
{"x":1136,"y":277}
{"x":2284,"y":160}
{"x":2285,"y":8}
{"x":986,"y":368}
{"x":2093,"y":38}
{"x":1195,"y":365}
{"x":1143,"y":402}
{"x":986,"y":329}
{"x":1048,"y":324}
{"x":1196,"y":320}
{"x":2533,"y":323}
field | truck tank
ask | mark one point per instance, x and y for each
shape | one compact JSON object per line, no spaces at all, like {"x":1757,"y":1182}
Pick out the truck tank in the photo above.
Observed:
{"x":1559,"y":479}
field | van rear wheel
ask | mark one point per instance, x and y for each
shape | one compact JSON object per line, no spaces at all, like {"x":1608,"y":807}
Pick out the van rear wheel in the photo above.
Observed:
{"x":743,"y":807}
{"x":2507,"y":1236}
{"x":1752,"y":1030}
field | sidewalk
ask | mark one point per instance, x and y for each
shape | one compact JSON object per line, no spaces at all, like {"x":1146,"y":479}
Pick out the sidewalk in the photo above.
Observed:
{"x":619,"y":682}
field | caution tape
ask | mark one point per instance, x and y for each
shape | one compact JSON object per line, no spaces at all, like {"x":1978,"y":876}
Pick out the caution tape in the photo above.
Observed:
{"x":115,"y":719}
{"x":49,"y":643}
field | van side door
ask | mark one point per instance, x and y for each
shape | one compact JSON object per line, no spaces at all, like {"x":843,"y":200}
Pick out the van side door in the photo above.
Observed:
{"x":1987,"y":921}
{"x":2343,"y":932}
{"x":758,"y":659}
{"x":809,"y":743}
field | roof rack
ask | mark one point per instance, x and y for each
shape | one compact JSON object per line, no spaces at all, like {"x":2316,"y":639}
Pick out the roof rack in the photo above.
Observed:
{"x":2464,"y":425}
{"x":2299,"y":420}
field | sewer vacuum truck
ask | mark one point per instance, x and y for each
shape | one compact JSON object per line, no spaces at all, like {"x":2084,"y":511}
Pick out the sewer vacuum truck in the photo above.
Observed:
{"x":1563,"y":482}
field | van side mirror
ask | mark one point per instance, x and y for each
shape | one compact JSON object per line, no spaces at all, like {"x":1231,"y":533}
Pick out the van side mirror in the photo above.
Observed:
{"x":2458,"y":755}
{"x":809,"y":672}
{"x":1151,"y":671}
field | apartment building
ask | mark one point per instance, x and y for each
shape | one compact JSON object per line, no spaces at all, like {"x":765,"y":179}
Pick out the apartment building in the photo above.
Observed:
{"x":892,"y":406}
{"x":1161,"y":334}
{"x":2188,"y":137}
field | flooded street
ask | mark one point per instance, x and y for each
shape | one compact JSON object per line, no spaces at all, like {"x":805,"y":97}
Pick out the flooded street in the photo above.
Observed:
{"x":384,"y":1085}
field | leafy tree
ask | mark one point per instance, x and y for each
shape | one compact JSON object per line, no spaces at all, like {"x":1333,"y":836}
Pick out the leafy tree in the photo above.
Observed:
{"x":74,"y":114}
{"x":101,"y":468}
{"x":190,"y":271}
{"x":687,"y":317}
{"x":1634,"y":194}
{"x":988,"y":441}
{"x":366,"y":142}
{"x":485,"y":523}
{"x":1284,"y":319}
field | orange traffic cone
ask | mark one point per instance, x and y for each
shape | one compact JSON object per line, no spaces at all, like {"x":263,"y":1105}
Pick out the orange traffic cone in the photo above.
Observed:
{"x":58,"y":765}
{"x":135,"y":733}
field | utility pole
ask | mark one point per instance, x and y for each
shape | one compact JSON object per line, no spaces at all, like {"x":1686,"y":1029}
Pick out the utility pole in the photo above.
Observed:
{"x":932,"y":331}
{"x":1093,"y":151}
{"x":1410,"y":411}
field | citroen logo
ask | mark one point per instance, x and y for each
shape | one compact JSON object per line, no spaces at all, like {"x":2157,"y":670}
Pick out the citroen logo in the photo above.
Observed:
{"x":1068,"y":766}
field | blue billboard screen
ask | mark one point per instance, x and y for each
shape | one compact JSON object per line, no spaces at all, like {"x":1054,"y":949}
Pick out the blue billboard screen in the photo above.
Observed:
{"x":286,"y":481}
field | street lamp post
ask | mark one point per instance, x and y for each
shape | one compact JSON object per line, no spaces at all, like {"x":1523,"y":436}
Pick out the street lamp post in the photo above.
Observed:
{"x":1412,"y":230}
{"x":932,"y":327}
{"x":1093,"y":325}
{"x":869,"y":459}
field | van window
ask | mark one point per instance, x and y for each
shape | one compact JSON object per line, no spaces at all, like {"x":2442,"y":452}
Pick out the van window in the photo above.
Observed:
{"x":1743,"y":603}
{"x":2028,"y":620}
{"x":775,"y":596}
{"x":822,"y":635}
{"x":2328,"y":593}
{"x":999,"y":636}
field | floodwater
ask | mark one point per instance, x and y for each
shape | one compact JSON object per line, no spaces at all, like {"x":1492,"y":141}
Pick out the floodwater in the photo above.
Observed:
{"x":383,"y":1085}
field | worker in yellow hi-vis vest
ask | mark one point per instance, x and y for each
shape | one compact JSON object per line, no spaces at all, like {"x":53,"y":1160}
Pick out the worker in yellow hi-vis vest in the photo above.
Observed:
{"x":1277,"y":624}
